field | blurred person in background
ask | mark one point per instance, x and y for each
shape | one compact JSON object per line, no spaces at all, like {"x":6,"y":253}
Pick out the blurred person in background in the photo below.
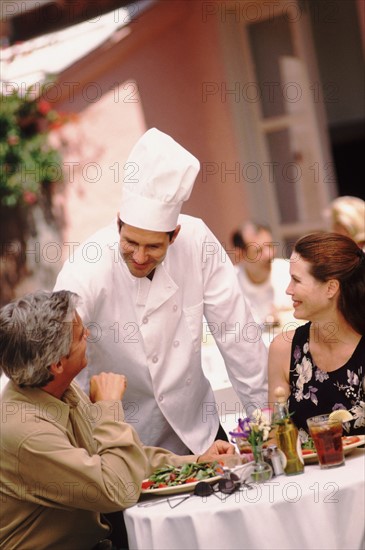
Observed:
{"x":321,"y":365}
{"x":347,"y":217}
{"x":262,"y":277}
{"x":157,"y":274}
{"x":66,"y":460}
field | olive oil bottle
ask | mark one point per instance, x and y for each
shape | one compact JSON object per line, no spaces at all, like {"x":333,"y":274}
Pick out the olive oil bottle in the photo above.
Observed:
{"x":287,"y":437}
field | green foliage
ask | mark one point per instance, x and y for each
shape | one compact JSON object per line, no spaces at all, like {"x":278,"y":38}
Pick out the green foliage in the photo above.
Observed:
{"x":27,"y":160}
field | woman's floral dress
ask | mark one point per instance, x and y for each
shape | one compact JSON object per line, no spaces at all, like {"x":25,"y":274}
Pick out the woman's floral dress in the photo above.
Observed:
{"x":314,"y":391}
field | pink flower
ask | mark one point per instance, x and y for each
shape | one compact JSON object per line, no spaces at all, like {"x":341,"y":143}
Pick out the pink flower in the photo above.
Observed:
{"x":13,"y":140}
{"x":29,"y":197}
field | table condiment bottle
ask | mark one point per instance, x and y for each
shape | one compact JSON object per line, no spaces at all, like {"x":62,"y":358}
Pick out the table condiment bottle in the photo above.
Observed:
{"x":287,"y":436}
{"x":275,"y":460}
{"x":266,"y":453}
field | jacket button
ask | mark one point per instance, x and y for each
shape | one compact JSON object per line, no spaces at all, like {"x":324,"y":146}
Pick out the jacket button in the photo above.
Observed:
{"x":176,"y":343}
{"x":154,"y":359}
{"x":175,"y":307}
{"x":160,"y":398}
{"x":188,"y":381}
{"x":145,"y":320}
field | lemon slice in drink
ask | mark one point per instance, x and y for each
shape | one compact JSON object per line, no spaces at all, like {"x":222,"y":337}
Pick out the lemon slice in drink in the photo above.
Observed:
{"x":341,"y":414}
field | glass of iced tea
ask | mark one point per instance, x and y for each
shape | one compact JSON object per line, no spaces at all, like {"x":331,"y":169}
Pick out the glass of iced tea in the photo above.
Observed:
{"x":327,"y":438}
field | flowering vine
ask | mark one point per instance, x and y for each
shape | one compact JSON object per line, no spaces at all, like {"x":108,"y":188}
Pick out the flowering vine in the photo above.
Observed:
{"x":28,"y":163}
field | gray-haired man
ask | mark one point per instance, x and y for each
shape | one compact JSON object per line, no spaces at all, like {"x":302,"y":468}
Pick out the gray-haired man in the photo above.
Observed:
{"x":65,"y":459}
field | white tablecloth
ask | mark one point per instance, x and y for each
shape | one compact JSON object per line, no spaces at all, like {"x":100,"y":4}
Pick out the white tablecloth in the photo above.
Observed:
{"x":317,"y":510}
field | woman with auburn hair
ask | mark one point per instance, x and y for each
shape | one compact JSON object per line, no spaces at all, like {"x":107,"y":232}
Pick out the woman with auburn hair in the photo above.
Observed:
{"x":321,"y":365}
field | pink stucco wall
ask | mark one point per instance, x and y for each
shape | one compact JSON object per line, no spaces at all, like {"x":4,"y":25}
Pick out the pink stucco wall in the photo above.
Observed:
{"x":170,"y":52}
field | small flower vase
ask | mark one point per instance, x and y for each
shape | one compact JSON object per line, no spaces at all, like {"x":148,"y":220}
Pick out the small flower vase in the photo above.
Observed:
{"x":261,"y":470}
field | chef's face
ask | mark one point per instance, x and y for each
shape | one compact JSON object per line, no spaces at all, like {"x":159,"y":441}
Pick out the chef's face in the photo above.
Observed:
{"x":144,"y":250}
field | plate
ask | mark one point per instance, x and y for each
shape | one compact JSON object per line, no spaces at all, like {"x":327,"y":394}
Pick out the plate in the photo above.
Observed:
{"x":175,"y":489}
{"x":349,"y":443}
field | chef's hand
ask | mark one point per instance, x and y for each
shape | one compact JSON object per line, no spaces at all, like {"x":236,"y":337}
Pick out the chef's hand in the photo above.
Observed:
{"x":218,"y":448}
{"x":107,"y":386}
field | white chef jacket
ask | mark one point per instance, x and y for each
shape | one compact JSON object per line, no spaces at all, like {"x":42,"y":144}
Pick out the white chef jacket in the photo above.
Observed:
{"x":151,"y":331}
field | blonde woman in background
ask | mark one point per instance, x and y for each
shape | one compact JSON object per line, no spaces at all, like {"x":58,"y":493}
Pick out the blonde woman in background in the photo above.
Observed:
{"x":347,"y":216}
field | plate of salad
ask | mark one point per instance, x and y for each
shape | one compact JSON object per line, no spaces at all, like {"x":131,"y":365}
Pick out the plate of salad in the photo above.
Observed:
{"x":181,"y":479}
{"x":349,"y":443}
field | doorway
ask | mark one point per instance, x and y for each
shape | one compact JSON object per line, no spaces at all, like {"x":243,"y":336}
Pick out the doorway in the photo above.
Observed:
{"x":337,"y":38}
{"x":283,"y":130}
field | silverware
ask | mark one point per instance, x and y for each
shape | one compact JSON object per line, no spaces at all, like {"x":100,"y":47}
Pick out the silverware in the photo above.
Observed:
{"x":201,"y":489}
{"x":161,"y":500}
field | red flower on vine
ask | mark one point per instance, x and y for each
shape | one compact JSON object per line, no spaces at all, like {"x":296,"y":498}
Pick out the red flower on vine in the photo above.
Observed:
{"x":29,"y":197}
{"x":43,"y":107}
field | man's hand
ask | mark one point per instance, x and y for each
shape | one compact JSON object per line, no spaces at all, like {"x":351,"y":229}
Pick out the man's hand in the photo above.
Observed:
{"x":107,"y":386}
{"x":218,"y":448}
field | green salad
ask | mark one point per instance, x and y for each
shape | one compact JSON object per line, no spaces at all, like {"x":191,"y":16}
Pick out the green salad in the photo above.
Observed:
{"x":191,"y":472}
{"x":308,"y":445}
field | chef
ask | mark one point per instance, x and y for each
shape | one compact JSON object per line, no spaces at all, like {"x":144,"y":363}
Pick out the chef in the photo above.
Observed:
{"x":148,"y":282}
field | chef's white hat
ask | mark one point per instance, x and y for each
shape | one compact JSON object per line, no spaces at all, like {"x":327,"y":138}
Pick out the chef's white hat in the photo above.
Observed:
{"x":159,"y":177}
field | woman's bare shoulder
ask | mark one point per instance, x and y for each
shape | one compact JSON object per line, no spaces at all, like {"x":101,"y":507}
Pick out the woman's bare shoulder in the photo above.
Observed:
{"x":282,"y":342}
{"x":279,"y":363}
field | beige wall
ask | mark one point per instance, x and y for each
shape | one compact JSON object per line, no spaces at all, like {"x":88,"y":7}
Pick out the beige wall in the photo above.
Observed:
{"x":171,"y":53}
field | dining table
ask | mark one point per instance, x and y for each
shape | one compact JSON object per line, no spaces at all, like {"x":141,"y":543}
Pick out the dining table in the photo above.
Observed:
{"x":320,"y":509}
